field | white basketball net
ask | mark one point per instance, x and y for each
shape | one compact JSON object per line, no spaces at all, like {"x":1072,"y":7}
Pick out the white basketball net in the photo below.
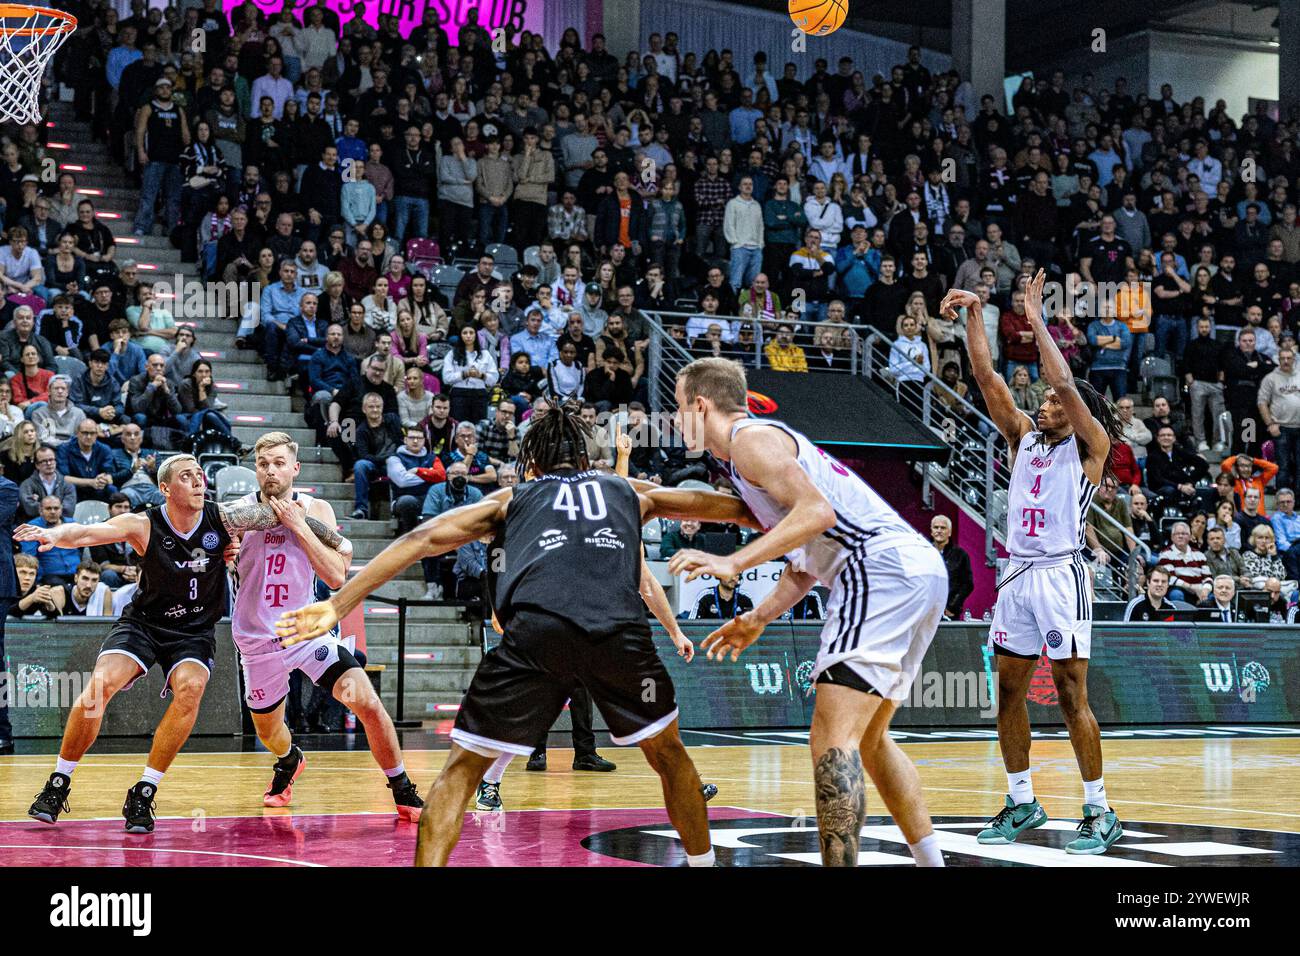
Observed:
{"x":26,"y":46}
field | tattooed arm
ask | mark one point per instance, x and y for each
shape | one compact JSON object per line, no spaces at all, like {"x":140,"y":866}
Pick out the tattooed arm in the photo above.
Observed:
{"x":239,"y":517}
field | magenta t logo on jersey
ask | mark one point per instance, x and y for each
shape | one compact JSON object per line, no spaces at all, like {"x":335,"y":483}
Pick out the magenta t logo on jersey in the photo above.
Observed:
{"x":1031,"y":519}
{"x":835,"y":465}
{"x":277,"y":594}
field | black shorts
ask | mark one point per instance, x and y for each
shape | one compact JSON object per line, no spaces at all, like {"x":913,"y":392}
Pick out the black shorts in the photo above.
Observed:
{"x":521,"y":685}
{"x":151,"y":645}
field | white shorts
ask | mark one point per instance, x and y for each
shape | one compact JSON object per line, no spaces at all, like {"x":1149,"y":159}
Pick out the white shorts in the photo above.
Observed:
{"x":266,"y":676}
{"x":882,"y":615}
{"x":1038,"y":606}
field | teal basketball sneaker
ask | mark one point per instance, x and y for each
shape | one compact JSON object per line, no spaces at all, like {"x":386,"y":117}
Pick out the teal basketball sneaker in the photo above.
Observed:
{"x":1098,"y":830}
{"x":1013,"y":820}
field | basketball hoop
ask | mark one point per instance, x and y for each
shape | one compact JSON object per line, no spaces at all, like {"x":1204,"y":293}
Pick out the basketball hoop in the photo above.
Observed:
{"x":29,"y":37}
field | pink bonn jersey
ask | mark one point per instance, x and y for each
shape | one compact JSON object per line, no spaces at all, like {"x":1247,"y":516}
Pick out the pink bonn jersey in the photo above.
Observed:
{"x":274,"y":576}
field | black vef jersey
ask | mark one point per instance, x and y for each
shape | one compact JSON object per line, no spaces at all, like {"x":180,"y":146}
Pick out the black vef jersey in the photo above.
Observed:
{"x":572,"y":547}
{"x":183,"y":585}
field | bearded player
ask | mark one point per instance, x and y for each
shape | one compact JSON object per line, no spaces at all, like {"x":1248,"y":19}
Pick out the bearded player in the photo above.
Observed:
{"x":888,"y":589}
{"x":171,"y":622}
{"x":1057,"y":462}
{"x":277,"y":569}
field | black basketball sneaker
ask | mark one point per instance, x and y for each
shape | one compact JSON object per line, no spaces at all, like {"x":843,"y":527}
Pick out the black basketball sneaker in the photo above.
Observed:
{"x":139,"y":807}
{"x":286,"y":770}
{"x":51,"y":801}
{"x":406,"y":797}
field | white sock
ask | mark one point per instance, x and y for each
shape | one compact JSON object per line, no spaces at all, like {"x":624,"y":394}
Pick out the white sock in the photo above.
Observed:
{"x":65,"y":767}
{"x":1094,"y":792}
{"x":396,"y":771}
{"x":1020,"y":787}
{"x":926,"y":851}
{"x":152,"y":776}
{"x":703,"y":859}
{"x":498,"y":769}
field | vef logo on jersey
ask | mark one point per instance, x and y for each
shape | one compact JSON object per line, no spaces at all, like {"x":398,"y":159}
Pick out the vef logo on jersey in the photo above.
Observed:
{"x":552,"y":539}
{"x":605,"y":538}
{"x":210,"y":541}
{"x":168,"y":544}
{"x":760,"y":404}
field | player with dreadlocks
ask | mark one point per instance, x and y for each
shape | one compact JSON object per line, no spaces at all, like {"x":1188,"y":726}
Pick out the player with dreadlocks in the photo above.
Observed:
{"x":563,"y":530}
{"x":1045,"y":595}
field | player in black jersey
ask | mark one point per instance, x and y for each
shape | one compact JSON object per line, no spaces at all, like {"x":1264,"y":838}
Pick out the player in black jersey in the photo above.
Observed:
{"x":171,"y":621}
{"x":569,"y":600}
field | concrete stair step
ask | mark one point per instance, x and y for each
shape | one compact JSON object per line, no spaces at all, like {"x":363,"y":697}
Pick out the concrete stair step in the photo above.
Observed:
{"x":305,"y":437}
{"x":269,"y":420}
{"x":441,"y":656}
{"x":243,"y":402}
{"x":233,"y":382}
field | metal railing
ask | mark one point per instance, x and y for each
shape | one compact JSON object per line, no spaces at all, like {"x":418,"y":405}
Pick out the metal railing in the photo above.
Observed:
{"x":473,"y":609}
{"x":977,"y":475}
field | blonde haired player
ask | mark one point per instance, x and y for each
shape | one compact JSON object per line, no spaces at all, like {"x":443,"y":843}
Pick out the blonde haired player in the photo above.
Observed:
{"x":170,"y":622}
{"x":1045,"y":595}
{"x":276,"y":569}
{"x":888,"y":589}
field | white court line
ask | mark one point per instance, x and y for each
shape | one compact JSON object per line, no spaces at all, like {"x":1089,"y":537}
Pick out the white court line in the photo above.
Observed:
{"x":151,"y":849}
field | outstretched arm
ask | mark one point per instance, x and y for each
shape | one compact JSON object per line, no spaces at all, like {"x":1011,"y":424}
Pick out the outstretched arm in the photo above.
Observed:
{"x":679,"y":503}
{"x":1011,"y":422}
{"x":132,"y":528}
{"x":1056,"y":372}
{"x":239,"y":517}
{"x":439,"y":535}
{"x":766,"y":458}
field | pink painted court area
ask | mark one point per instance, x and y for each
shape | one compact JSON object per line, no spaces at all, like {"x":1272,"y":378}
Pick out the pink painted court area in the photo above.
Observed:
{"x":283,"y":838}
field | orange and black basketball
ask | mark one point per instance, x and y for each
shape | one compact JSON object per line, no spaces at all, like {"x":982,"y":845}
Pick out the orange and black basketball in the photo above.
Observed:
{"x":818,"y":17}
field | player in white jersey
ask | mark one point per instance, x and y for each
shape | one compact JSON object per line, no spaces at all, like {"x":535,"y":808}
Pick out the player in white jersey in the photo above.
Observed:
{"x":888,"y":588}
{"x":277,"y":569}
{"x":1045,"y":594}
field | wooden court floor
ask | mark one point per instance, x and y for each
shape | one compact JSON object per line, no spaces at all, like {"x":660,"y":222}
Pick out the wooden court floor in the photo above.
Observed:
{"x":1185,"y":802}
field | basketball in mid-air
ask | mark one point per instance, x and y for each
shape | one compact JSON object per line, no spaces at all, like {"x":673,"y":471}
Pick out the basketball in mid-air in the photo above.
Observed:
{"x":818,"y":17}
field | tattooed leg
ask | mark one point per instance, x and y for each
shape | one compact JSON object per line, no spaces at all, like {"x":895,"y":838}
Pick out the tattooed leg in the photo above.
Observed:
{"x":840,"y":720}
{"x":841,"y":805}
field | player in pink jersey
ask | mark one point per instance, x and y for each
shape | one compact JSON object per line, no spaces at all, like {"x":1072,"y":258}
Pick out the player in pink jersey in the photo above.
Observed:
{"x":1057,"y":462}
{"x":276,"y":569}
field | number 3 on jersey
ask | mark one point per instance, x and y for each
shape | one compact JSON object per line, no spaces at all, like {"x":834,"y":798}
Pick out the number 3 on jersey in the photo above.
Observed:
{"x":589,"y":494}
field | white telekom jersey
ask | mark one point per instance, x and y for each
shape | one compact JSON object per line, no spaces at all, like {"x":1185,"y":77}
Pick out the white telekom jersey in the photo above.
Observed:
{"x":273,"y":575}
{"x":864,"y":521}
{"x":1047,"y":502}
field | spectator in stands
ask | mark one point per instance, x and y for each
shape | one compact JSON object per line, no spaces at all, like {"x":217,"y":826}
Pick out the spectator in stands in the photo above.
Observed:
{"x":280,"y":303}
{"x":1017,"y":338}
{"x":56,"y":566}
{"x":56,"y":421}
{"x":679,"y":537}
{"x":480,"y":469}
{"x":1223,"y":558}
{"x":1105,"y":537}
{"x":153,"y":328}
{"x":1152,"y":606}
{"x":1172,"y":471}
{"x":1112,"y":341}
{"x":98,"y":393}
{"x":44,"y":481}
{"x":305,"y":334}
{"x":86,"y":463}
{"x":1245,"y":368}
{"x":201,"y":409}
{"x":85,"y":593}
{"x":453,"y":491}
{"x":345,"y":408}
{"x":1225,"y":517}
{"x":784,"y":356}
{"x":20,"y":333}
{"x":647,"y":457}
{"x":414,"y":402}
{"x":162,"y":133}
{"x":1205,"y":374}
{"x":412,"y":470}
{"x":469,"y":372}
{"x":961,"y":581}
{"x":497,"y":437}
{"x":135,"y":469}
{"x":1249,"y":473}
{"x":1251,"y":514}
{"x":61,"y":327}
{"x":378,"y":438}
{"x":126,"y":360}
{"x":1136,"y":434}
{"x":1220,"y":604}
{"x":150,"y":399}
{"x":31,"y":385}
{"x":723,"y":601}
{"x":33,"y":599}
{"x":1189,"y":574}
{"x":493,"y":185}
{"x":1279,"y":409}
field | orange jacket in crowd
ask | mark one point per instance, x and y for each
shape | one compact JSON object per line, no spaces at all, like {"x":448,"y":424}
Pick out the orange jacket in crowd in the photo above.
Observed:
{"x":1264,"y":472}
